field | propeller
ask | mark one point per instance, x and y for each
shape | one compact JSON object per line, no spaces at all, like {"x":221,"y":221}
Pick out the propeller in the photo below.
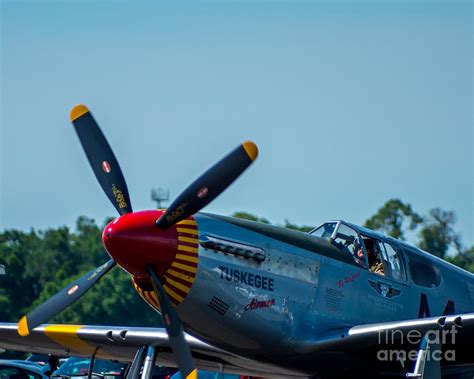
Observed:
{"x":108,"y":173}
{"x":174,"y":329}
{"x":101,"y":158}
{"x":196,"y":196}
{"x":62,"y":299}
{"x":209,"y":185}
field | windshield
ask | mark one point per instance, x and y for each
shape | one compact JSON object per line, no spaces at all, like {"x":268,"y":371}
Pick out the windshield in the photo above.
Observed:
{"x":42,"y":359}
{"x":345,"y":239}
{"x":80,"y":366}
{"x":325,"y":230}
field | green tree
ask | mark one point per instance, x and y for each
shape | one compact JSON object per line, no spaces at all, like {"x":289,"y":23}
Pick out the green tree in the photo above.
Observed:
{"x":438,"y":234}
{"x":464,"y":259}
{"x":250,"y":216}
{"x":17,"y":288}
{"x":113,"y":301}
{"x":287,"y":224}
{"x":303,"y":228}
{"x":394,"y":218}
{"x":39,"y":264}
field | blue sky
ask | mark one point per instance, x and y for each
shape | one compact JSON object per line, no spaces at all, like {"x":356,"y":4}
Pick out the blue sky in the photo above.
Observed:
{"x":351,"y":104}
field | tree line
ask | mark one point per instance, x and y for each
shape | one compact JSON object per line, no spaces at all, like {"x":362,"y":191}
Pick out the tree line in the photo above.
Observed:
{"x":41,"y":262}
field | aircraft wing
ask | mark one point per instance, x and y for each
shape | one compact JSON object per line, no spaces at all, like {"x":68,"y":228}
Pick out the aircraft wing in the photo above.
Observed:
{"x":121,"y":343}
{"x":364,"y":342}
{"x":459,"y":326}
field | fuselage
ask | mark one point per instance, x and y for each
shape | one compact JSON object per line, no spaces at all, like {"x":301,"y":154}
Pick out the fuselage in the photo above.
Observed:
{"x":265,"y":292}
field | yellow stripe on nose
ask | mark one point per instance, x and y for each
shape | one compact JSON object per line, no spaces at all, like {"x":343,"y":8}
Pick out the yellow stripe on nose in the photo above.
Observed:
{"x":188,"y":248}
{"x":187,"y":222}
{"x":173,"y":294}
{"x":187,"y":258}
{"x":187,"y":231}
{"x":187,"y":239}
{"x":177,"y":285}
{"x":179,"y":275}
{"x":184,"y":267}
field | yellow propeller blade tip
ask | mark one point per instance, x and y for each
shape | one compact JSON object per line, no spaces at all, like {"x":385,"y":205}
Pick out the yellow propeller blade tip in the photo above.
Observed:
{"x":23,"y":327}
{"x":251,"y":149}
{"x":77,"y":111}
{"x":192,"y":375}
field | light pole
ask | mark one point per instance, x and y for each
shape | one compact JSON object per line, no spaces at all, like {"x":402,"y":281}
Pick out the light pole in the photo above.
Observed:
{"x":160,"y":195}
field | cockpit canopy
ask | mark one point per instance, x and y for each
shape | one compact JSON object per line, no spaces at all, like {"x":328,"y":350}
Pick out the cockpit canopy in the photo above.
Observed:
{"x":367,"y":248}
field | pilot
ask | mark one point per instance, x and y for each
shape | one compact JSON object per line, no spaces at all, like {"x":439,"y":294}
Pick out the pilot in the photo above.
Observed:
{"x":359,"y":255}
{"x":375,"y":263}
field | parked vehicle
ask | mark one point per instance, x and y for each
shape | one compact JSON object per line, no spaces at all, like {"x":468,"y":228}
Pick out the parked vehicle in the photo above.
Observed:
{"x":41,"y":359}
{"x":78,"y":367}
{"x":15,"y":369}
{"x":202,"y":374}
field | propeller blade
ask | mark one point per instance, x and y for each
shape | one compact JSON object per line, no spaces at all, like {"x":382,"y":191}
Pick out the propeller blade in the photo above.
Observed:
{"x":209,"y":185}
{"x":62,"y":299}
{"x":174,"y":329}
{"x":101,"y":158}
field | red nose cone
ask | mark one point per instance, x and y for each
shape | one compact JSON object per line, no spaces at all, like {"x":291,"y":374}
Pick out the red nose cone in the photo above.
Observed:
{"x":134,"y":242}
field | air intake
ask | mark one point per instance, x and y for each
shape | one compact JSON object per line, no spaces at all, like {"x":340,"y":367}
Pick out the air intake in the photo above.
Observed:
{"x":218,"y":305}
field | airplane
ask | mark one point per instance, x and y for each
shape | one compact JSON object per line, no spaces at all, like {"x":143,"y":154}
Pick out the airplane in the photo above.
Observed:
{"x":258,"y":299}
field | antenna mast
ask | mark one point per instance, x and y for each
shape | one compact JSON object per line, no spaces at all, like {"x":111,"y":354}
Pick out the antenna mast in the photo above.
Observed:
{"x":160,"y":195}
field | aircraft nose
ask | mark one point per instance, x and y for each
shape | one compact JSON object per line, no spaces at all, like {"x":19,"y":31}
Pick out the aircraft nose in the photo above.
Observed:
{"x":134,"y":241}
